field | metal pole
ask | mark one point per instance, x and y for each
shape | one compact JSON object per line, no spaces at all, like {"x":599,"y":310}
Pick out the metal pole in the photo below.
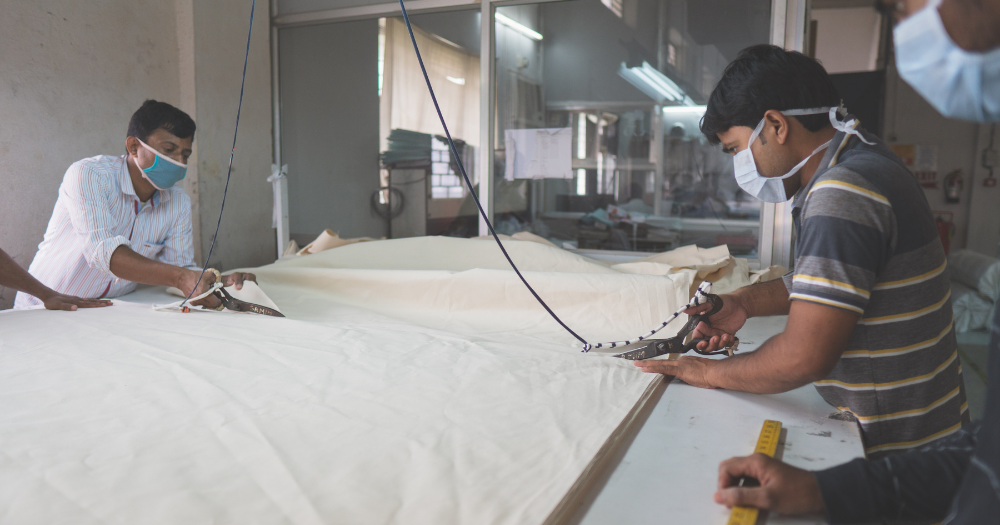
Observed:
{"x":487,"y":90}
{"x":282,"y":231}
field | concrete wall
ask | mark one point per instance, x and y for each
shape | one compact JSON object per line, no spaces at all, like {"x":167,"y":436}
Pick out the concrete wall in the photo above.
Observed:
{"x":73,"y":73}
{"x":331,"y":145}
{"x":220,"y":32}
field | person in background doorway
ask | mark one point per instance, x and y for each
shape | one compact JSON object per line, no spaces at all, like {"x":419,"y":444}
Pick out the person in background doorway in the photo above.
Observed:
{"x":950,"y":53}
{"x":13,"y":276}
{"x":122,"y":220}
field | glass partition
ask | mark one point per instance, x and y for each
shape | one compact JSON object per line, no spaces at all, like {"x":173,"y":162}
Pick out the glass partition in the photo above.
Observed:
{"x":597,"y":144}
{"x":422,"y":187}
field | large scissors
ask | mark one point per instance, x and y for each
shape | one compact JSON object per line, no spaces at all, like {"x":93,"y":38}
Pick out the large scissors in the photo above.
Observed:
{"x":237,"y":305}
{"x":676,"y":344}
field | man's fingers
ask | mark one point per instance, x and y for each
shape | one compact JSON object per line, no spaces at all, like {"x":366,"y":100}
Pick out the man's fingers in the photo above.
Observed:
{"x":700,"y":309}
{"x":209,"y":302}
{"x":92,"y":303}
{"x":757,"y":497}
{"x":236,"y":279}
{"x":658,"y":366}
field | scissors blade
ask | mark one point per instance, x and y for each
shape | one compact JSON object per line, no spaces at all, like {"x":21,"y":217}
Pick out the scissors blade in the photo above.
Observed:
{"x":649,"y":350}
{"x":237,"y":305}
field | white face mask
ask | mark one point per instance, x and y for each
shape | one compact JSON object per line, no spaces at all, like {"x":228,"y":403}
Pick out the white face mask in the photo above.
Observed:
{"x":958,"y":83}
{"x":771,"y":189}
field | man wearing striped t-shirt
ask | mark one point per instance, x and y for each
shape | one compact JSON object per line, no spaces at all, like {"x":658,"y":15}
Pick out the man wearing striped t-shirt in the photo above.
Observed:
{"x":120,"y":220}
{"x":869,"y":321}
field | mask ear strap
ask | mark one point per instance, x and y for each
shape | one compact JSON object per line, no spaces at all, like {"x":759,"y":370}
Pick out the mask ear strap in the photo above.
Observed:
{"x":847,"y":127}
{"x":756,"y":133}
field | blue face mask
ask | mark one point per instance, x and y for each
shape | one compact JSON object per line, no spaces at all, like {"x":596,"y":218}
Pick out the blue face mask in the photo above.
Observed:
{"x":165,"y":171}
{"x":959,"y":84}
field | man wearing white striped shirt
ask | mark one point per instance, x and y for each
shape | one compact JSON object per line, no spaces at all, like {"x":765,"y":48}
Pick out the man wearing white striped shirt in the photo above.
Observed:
{"x":121,"y":220}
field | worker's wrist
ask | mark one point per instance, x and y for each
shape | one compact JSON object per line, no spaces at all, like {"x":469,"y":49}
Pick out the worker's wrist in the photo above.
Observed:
{"x":712,"y":375}
{"x":44,"y":293}
{"x":184,"y":279}
{"x":740,"y":302}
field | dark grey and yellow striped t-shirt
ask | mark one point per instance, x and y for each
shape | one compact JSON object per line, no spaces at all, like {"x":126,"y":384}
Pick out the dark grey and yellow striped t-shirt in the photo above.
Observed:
{"x":866,"y":242}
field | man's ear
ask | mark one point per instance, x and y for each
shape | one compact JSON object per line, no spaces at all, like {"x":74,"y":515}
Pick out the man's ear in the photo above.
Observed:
{"x":774,"y":120}
{"x":132,"y":146}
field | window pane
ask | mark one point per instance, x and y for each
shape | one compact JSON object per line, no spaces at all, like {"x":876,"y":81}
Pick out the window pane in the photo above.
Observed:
{"x":598,"y":105}
{"x":413,"y":142}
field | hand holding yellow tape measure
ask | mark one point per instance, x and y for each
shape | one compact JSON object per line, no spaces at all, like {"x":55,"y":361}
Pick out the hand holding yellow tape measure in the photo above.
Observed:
{"x":767,"y":444}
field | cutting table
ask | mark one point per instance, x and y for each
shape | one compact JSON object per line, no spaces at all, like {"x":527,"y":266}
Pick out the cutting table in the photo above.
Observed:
{"x":669,"y":470}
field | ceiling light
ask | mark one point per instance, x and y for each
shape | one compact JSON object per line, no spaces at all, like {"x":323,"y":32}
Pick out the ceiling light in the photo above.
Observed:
{"x":459,"y":81}
{"x":655,"y":84}
{"x":517,"y":26}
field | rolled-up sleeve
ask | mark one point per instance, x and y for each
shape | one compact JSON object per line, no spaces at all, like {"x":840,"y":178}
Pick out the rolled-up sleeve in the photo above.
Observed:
{"x":178,"y":248}
{"x":88,"y":200}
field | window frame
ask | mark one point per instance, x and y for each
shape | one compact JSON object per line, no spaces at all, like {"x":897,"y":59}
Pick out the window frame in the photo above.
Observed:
{"x":789,"y":29}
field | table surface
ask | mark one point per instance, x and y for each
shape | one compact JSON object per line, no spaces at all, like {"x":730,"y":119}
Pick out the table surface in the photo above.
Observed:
{"x":668,"y":473}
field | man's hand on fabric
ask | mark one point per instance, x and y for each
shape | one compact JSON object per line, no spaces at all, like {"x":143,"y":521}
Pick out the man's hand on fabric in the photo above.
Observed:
{"x":236,"y":279}
{"x":58,"y":301}
{"x":725,"y":323}
{"x":692,"y":370}
{"x":783,"y":489}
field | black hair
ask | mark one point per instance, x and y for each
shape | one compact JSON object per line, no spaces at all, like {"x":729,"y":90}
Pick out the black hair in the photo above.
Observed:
{"x":766,"y":77}
{"x":153,"y":115}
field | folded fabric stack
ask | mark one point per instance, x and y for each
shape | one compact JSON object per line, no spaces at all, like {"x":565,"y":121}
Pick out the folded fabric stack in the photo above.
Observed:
{"x":975,"y":287}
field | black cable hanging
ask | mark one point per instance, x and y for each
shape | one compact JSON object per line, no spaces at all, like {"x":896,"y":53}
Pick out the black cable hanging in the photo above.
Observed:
{"x":232,"y":154}
{"x":468,"y":183}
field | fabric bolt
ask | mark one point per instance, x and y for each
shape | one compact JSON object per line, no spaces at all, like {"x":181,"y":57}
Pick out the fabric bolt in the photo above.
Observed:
{"x":326,"y":241}
{"x":96,"y":212}
{"x":867,"y":243}
{"x":413,"y":381}
{"x":971,"y":309}
{"x":955,"y":481}
{"x":977,"y":271}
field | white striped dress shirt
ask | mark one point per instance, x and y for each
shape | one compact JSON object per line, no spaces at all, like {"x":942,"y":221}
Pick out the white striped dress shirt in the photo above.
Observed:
{"x":96,"y":212}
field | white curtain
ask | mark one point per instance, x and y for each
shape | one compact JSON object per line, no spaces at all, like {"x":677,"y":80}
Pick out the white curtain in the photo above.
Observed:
{"x":405,"y":102}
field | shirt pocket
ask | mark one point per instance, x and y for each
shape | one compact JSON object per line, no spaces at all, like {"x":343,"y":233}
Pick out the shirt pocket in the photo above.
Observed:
{"x":150,"y":250}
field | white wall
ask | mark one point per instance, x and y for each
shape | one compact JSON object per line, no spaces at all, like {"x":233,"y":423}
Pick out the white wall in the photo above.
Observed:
{"x":71,"y":75}
{"x":847,"y":40}
{"x":220,"y":32}
{"x":910,"y":119}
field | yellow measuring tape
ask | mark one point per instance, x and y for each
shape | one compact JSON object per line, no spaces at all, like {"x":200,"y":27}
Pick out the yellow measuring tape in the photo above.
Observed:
{"x":767,"y":444}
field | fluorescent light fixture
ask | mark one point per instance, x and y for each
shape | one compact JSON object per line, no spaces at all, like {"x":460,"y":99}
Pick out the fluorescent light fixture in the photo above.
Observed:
{"x":685,"y":109}
{"x":655,"y":84}
{"x":455,"y":80}
{"x":520,"y":28}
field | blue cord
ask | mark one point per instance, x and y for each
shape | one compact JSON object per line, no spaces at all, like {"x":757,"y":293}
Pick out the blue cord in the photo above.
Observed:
{"x":461,"y":167}
{"x":229,"y":172}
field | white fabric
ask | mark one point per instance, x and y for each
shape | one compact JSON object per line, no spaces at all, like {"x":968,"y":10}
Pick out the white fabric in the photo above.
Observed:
{"x":414,"y":381}
{"x":971,"y":309}
{"x":977,"y":271}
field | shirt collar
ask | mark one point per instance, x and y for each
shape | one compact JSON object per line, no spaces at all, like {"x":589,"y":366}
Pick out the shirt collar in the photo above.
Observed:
{"x":125,"y":182}
{"x":841,"y":141}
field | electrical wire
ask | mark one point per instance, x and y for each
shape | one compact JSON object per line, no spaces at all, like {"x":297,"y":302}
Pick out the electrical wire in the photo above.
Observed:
{"x":229,"y":172}
{"x":465,"y":176}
